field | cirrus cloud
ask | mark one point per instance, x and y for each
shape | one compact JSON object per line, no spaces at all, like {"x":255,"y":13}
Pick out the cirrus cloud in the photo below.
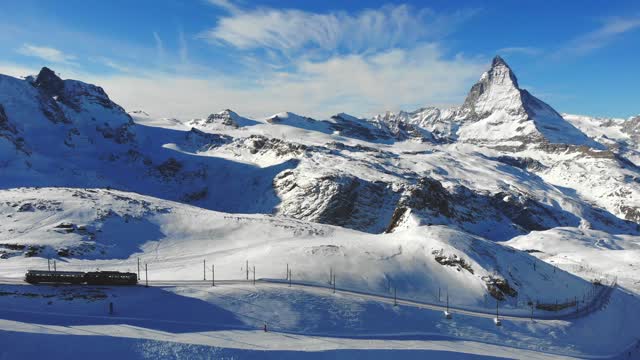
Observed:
{"x":370,"y":30}
{"x":46,"y":53}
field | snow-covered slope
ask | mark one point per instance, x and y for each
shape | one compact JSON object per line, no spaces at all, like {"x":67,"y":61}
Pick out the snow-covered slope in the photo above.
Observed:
{"x":419,"y":201}
{"x":109,"y":229}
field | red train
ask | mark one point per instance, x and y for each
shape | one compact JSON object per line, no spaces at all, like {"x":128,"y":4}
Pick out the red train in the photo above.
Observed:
{"x":79,"y":277}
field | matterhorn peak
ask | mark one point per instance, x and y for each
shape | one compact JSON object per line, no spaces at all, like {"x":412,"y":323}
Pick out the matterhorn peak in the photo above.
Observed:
{"x":497,"y":89}
{"x":498,"y":110}
{"x":497,"y":61}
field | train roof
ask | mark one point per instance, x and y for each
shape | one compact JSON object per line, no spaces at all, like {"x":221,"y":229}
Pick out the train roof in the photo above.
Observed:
{"x":47,"y":272}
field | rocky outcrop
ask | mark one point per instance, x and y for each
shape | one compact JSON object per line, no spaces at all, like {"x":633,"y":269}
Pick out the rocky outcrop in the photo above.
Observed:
{"x":345,"y":200}
{"x":9,"y":132}
{"x":524,"y":163}
{"x":336,"y":199}
{"x":632,"y":127}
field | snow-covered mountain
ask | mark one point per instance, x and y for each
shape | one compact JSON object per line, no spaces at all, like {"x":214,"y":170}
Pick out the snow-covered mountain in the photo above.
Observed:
{"x":503,"y":165}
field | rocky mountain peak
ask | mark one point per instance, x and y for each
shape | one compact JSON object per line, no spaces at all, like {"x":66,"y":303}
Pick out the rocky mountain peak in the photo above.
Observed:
{"x":497,"y":89}
{"x":49,"y":82}
{"x":498,"y":61}
{"x":226,"y":117}
{"x":497,"y":110}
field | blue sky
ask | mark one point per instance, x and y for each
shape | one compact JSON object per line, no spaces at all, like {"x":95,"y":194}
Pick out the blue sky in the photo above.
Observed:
{"x":190,"y":58}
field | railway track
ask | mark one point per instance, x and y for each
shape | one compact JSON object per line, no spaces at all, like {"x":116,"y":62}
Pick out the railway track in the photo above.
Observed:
{"x":507,"y":314}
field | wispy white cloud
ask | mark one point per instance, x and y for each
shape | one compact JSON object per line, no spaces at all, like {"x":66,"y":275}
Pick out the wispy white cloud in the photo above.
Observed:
{"x":159,"y":45}
{"x":227,"y":5}
{"x":358,"y":84}
{"x":16,"y":70}
{"x":290,"y":30}
{"x":183,"y":49}
{"x":110,"y":63}
{"x":46,"y":53}
{"x":389,"y":58}
{"x":608,"y":32}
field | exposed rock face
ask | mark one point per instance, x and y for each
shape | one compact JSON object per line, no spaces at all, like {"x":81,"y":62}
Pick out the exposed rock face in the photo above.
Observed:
{"x":340,"y":199}
{"x":348,"y":201}
{"x":442,"y":124}
{"x":524,"y":163}
{"x":512,"y":213}
{"x":49,"y":83}
{"x":632,"y":127}
{"x":397,"y":126}
{"x":9,"y":132}
{"x":73,"y":94}
{"x":495,"y":86}
{"x":262,"y":144}
{"x":226,"y":119}
{"x":4,"y":122}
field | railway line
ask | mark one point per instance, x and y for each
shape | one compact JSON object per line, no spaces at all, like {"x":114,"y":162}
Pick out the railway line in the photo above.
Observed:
{"x":599,"y":300}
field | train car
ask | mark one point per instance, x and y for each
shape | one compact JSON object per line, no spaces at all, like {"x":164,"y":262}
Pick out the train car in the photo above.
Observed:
{"x":56,"y":277}
{"x":111,"y":278}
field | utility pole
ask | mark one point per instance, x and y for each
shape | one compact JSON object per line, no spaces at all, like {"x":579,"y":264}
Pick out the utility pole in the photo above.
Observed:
{"x":138,"y":268}
{"x":287,"y":271}
{"x":146,"y":275}
{"x":532,"y":311}
{"x":334,"y":283}
{"x":204,"y":270}
{"x":213,"y":275}
{"x":254,"y":274}
{"x":247,"y":267}
{"x":49,"y":264}
{"x":395,"y":298}
{"x":447,"y":302}
{"x":54,"y":266}
{"x":330,"y":275}
{"x":290,"y":277}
